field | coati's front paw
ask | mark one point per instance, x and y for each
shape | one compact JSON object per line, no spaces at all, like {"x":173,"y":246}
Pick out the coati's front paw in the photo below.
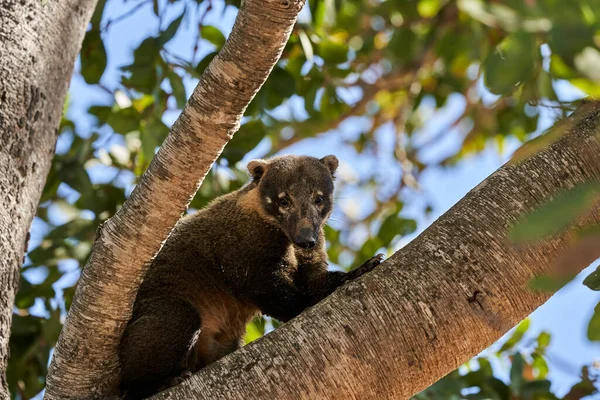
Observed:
{"x":185,"y":374}
{"x":367,"y":266}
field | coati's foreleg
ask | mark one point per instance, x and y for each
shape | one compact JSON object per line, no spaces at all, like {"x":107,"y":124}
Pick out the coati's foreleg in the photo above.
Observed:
{"x":316,"y":282}
{"x":156,"y":348}
{"x":278,"y":297}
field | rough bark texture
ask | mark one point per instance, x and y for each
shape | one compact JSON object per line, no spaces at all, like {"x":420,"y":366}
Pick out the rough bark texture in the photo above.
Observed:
{"x":85,"y":363}
{"x":442,"y":299}
{"x":39,"y":42}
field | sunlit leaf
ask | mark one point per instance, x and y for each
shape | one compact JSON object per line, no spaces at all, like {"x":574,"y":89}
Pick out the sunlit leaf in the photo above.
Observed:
{"x":593,"y":331}
{"x":255,"y":329}
{"x":516,"y":337}
{"x":540,"y":365}
{"x":213,"y":35}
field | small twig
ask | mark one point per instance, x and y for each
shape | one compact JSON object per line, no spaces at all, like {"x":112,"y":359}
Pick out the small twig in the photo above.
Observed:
{"x":125,"y":15}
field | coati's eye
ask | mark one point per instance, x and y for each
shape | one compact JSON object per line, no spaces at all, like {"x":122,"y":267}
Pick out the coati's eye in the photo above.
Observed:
{"x":284,"y":202}
{"x":319,"y":200}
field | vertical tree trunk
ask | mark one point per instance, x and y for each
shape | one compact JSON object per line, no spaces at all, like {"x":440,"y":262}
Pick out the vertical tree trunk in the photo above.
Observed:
{"x":39,"y":41}
{"x":85,"y":362}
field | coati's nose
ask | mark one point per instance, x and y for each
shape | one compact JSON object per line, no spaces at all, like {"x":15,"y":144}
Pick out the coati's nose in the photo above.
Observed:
{"x":305,"y":238}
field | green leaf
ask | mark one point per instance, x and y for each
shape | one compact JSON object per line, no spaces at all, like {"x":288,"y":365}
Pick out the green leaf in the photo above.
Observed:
{"x":282,"y":83}
{"x":543,"y":341}
{"x":516,"y":371}
{"x":333,"y":52}
{"x":516,"y":337}
{"x":97,"y":17}
{"x":393,"y":226}
{"x":171,"y":30}
{"x":178,"y":88}
{"x":586,"y":387}
{"x":93,"y":57}
{"x":593,"y":280}
{"x":124,"y":120}
{"x":142,"y":78}
{"x":553,"y":216}
{"x":559,"y":69}
{"x":539,"y":363}
{"x":497,"y":387}
{"x":143,"y":71}
{"x":103,"y":198}
{"x":429,"y":8}
{"x":369,"y":249}
{"x":77,"y":177}
{"x":203,"y":64}
{"x":567,"y":40}
{"x":147,"y":52}
{"x":213,"y":35}
{"x":593,"y":331}
{"x":100,"y":112}
{"x":549,"y":284}
{"x":246,"y":139}
{"x":511,"y":64}
{"x":537,"y":387}
{"x":255,"y":329}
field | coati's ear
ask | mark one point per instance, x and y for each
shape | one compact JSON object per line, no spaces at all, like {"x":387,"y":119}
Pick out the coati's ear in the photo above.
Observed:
{"x":331,"y":162}
{"x":257,"y":168}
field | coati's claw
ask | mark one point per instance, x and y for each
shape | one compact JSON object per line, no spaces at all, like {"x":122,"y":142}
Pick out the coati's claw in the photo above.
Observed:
{"x":372,"y":263}
{"x":379,"y":257}
{"x":185,"y":374}
{"x":367,"y":266}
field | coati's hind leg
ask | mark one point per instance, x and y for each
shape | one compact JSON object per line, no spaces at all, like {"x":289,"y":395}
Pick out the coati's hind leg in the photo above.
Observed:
{"x":157,"y":346}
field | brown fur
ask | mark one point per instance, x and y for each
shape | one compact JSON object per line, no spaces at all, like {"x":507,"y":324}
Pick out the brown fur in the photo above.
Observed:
{"x":259,"y":249}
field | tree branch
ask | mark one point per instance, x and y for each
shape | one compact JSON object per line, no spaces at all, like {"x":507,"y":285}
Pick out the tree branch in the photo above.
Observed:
{"x":85,"y":363}
{"x":446,"y":296}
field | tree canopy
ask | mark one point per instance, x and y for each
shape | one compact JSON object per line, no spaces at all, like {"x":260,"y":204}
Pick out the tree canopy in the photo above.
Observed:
{"x":367,"y":78}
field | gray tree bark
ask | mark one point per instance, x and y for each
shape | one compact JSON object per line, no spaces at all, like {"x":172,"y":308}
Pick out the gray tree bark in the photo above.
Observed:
{"x":442,"y":299}
{"x":85,"y":363}
{"x":39,"y":42}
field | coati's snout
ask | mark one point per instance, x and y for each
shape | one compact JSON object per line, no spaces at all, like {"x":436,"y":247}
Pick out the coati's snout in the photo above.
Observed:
{"x":297,"y":192}
{"x":306,"y":236}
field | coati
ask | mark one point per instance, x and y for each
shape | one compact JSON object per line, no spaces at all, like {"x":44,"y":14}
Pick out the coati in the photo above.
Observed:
{"x":260,"y":249}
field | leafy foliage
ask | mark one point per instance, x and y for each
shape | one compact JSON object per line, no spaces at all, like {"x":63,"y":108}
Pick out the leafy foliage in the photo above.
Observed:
{"x":366,"y":77}
{"x":565,"y":209}
{"x":527,"y":378}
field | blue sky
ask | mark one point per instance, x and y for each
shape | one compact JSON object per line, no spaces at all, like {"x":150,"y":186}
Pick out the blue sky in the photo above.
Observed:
{"x":565,"y":316}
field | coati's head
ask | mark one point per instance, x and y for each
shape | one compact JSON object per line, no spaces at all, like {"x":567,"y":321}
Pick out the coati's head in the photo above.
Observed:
{"x":297,"y":192}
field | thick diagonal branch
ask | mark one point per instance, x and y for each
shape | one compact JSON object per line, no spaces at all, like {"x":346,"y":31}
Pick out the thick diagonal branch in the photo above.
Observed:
{"x":85,"y":362}
{"x":433,"y":305}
